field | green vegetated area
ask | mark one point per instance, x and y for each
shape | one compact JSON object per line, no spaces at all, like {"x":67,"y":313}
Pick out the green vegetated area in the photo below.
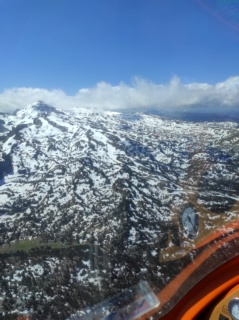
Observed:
{"x":27,"y":245}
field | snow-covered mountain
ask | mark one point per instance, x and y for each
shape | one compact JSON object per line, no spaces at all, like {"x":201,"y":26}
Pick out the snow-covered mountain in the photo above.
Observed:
{"x":128,"y":189}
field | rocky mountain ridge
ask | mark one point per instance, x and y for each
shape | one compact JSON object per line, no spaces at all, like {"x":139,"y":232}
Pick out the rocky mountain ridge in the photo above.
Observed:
{"x":126,"y":188}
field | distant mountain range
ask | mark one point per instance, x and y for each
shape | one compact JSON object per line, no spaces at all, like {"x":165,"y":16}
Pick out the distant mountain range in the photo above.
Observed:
{"x":195,"y":116}
{"x":93,"y":202}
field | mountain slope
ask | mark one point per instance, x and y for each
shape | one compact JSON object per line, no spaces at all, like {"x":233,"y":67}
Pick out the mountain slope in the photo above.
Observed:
{"x":117,"y":184}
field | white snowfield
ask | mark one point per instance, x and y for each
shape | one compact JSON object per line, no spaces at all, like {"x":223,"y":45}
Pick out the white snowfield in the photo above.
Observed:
{"x":77,"y":171}
{"x":100,"y":197}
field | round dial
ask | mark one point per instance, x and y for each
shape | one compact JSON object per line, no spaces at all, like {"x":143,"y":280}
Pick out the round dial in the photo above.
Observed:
{"x":233,"y":308}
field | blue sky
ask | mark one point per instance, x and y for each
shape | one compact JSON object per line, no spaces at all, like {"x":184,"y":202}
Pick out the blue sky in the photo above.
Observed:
{"x":62,"y":46}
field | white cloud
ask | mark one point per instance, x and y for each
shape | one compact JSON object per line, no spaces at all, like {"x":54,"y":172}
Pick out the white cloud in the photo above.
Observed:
{"x":141,"y":95}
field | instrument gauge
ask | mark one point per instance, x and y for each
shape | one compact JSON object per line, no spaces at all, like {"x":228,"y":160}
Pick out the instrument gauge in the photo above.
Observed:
{"x":233,"y":308}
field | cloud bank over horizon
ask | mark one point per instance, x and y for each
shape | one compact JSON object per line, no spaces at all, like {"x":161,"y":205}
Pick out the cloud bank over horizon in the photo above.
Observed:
{"x":142,"y":95}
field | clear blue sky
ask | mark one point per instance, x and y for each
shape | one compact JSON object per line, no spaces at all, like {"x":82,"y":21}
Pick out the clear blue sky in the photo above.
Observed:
{"x":70,"y":44}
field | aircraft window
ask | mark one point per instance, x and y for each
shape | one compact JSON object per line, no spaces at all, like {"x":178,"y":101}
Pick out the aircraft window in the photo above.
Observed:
{"x":119,"y":154}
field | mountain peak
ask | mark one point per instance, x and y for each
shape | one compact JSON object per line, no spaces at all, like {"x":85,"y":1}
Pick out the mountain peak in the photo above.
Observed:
{"x":37,"y":108}
{"x":42,"y":107}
